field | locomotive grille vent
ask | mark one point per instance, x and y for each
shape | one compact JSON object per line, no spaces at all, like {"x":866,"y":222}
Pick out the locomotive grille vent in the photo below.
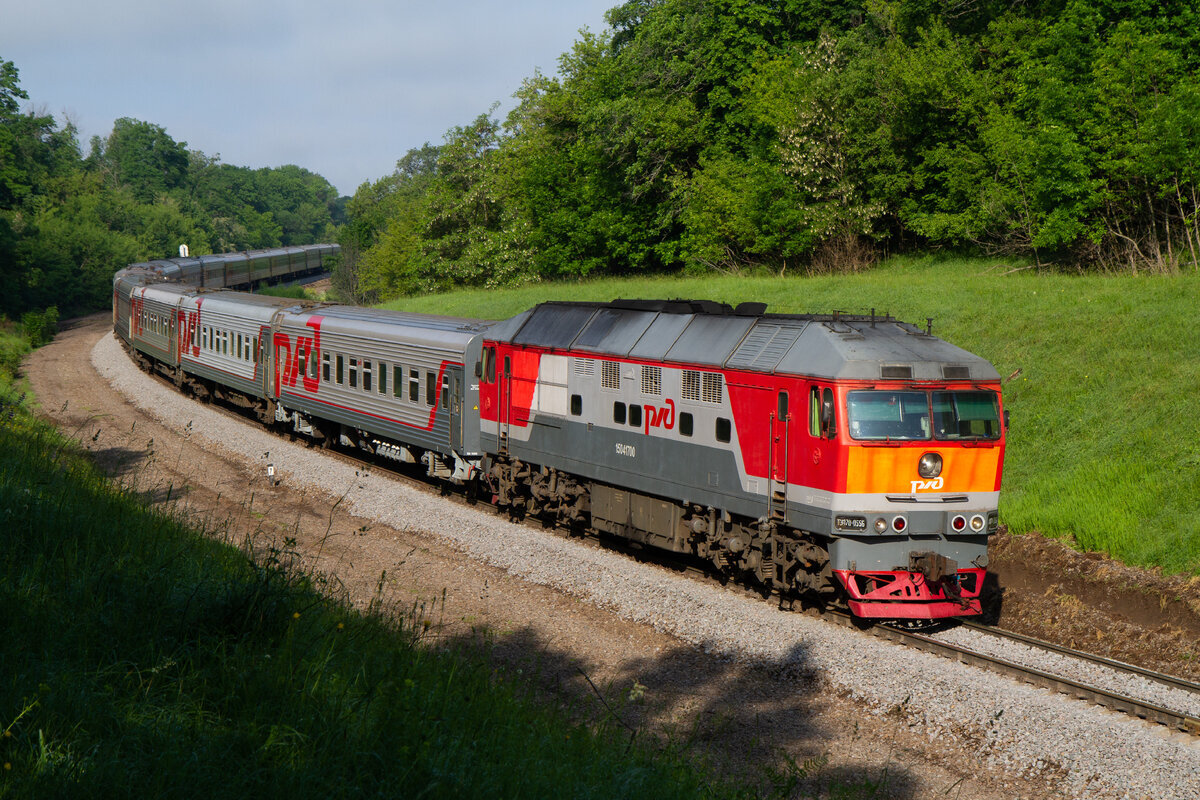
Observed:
{"x":896,"y":371}
{"x":651,"y":380}
{"x":953,"y":373}
{"x":585,"y":367}
{"x":691,"y":384}
{"x":610,"y":375}
{"x":712,"y":387}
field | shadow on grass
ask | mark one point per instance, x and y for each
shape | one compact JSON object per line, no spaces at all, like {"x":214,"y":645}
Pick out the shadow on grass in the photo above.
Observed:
{"x":757,"y":724}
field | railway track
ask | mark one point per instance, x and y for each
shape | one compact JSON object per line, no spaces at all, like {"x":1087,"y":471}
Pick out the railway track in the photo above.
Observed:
{"x":1113,"y":700}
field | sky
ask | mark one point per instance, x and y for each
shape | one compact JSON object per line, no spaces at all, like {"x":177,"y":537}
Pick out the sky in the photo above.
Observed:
{"x":343,"y":88}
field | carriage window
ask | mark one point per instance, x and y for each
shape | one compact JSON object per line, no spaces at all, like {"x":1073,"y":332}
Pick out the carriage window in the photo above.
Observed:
{"x":354,"y":373}
{"x":398,"y":381}
{"x":325,"y":367}
{"x":414,"y":385}
{"x":724,"y":430}
{"x":368,"y":373}
{"x":445,"y":391}
{"x":619,"y":413}
{"x":685,"y":424}
{"x":383,"y":376}
{"x":302,"y":358}
{"x":430,"y":388}
{"x":341,"y":369}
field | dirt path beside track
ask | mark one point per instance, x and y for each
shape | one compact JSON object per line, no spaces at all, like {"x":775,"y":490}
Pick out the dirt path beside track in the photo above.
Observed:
{"x":738,"y":715}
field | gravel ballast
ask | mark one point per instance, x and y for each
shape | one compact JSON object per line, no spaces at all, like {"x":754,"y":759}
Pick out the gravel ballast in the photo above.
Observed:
{"x":1095,"y":753}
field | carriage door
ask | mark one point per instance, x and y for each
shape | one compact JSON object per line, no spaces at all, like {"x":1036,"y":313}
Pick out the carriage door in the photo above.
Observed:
{"x":778,"y":468}
{"x":455,"y":375}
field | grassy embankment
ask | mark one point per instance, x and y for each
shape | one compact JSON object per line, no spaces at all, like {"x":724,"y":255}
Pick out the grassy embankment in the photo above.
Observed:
{"x":1104,"y":448}
{"x":140,"y":658}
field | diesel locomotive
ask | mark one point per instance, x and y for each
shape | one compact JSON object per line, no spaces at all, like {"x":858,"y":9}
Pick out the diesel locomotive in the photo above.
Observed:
{"x":837,"y":457}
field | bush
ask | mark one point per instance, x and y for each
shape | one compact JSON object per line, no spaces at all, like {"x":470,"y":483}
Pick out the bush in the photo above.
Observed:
{"x":40,"y":327}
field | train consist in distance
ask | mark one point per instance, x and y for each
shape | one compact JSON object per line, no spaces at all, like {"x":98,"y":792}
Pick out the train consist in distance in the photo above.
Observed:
{"x":834,"y":457}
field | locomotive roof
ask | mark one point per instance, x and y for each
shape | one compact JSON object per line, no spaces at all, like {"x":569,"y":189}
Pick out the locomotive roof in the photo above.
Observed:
{"x":833,"y":346}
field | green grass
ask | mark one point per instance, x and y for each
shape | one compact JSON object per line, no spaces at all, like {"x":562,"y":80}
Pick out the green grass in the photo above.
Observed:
{"x":1104,"y":449}
{"x":294,"y":292}
{"x":142,"y":659}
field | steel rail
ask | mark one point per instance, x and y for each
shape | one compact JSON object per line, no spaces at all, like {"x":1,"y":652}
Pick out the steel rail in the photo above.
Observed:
{"x":1117,"y":702}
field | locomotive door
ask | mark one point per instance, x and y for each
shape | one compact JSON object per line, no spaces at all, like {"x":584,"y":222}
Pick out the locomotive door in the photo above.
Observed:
{"x":505,"y":410}
{"x":455,"y":376}
{"x":778,"y":468}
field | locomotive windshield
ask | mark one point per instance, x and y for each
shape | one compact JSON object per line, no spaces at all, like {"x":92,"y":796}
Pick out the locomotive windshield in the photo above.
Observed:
{"x":878,"y":415}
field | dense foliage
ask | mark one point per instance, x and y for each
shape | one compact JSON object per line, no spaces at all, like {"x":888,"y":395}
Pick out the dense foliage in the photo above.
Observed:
{"x":814,"y":134}
{"x":67,"y":223}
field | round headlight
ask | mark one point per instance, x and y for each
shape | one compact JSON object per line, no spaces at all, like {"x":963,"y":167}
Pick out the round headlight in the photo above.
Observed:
{"x":930,"y":465}
{"x":977,"y":523}
{"x":899,"y":524}
{"x":880,"y":525}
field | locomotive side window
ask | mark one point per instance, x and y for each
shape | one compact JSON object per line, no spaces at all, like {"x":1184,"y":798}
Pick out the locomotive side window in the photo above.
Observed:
{"x":619,"y":413}
{"x":828,"y":415}
{"x":576,"y":405}
{"x":724,"y":430}
{"x":635,"y":416}
{"x":489,"y":365}
{"x":685,"y":424}
{"x":430,"y":388}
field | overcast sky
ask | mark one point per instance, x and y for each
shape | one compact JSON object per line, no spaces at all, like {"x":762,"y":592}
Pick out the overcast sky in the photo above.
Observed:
{"x":340,"y":87}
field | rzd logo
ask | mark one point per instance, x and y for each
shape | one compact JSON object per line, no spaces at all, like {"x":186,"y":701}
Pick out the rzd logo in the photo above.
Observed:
{"x":928,"y":486}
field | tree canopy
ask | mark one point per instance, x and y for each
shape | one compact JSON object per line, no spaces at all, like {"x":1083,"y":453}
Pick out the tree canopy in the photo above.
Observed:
{"x":67,"y":223}
{"x":729,"y":134}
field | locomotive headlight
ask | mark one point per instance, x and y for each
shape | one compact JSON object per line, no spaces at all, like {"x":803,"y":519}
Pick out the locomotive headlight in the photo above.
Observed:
{"x":881,"y":525}
{"x":977,"y":523}
{"x":930,"y":466}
